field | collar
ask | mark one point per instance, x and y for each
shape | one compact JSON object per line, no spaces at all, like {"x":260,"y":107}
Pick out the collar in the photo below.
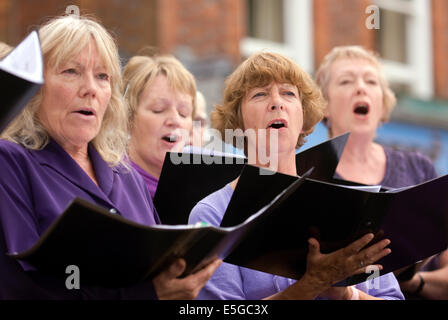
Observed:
{"x":55,"y":157}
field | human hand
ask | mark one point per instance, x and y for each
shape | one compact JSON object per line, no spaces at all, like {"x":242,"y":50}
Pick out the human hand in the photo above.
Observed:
{"x":337,"y":293}
{"x":169,"y":287}
{"x":324,"y":270}
{"x":412,"y":285}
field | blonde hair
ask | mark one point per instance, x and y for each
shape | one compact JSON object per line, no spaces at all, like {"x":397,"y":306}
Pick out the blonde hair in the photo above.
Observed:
{"x":259,"y":70}
{"x":140,"y":71}
{"x":4,"y":49}
{"x":61,"y":39}
{"x":356,"y":52}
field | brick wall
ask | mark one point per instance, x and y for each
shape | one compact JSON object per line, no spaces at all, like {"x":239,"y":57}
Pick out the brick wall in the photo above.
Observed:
{"x":440,"y":43}
{"x":340,"y":22}
{"x":208,"y":28}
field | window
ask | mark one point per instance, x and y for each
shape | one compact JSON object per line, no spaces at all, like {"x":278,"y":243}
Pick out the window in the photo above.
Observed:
{"x":283,"y":26}
{"x":265,"y":19}
{"x":404,"y":43}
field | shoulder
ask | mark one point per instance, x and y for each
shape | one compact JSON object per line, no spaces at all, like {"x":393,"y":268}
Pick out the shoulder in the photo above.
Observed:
{"x":412,"y":164}
{"x":129,"y":176}
{"x":13,"y":154}
{"x":129,"y":182}
{"x":8,"y":148}
{"x":211,"y":209}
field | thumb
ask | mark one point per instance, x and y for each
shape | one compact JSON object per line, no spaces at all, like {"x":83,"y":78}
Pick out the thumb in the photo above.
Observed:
{"x":313,"y":246}
{"x":176,"y":268}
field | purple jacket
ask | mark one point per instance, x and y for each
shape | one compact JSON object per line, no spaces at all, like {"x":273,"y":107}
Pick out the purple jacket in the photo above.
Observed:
{"x":35,"y":188}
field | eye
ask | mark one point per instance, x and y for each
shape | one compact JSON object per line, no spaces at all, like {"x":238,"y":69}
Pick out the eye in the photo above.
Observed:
{"x":259,"y":94}
{"x":156,"y":108}
{"x":372,"y":81}
{"x":345,"y":81}
{"x":70,"y":71}
{"x":103,"y":76}
{"x":290,"y":93}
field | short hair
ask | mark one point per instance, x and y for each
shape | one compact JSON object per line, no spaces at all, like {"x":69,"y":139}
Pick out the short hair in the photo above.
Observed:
{"x":4,"y":49}
{"x":140,"y":71}
{"x":355,"y":52}
{"x":61,"y":39}
{"x":259,"y":70}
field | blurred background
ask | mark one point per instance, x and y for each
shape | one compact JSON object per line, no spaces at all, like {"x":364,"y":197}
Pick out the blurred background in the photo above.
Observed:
{"x":212,"y":36}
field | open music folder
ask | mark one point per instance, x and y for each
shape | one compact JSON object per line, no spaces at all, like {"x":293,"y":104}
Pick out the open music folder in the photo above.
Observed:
{"x":413,"y":218}
{"x":192,"y":177}
{"x":111,"y":251}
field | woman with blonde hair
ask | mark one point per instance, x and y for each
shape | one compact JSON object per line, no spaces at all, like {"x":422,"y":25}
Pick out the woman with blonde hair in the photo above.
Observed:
{"x":270,"y":94}
{"x":161,"y":96}
{"x":359,"y":100}
{"x":70,"y":141}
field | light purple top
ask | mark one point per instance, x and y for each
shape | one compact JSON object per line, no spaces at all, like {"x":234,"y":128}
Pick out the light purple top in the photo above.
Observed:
{"x":231,"y":282}
{"x":150,"y":181}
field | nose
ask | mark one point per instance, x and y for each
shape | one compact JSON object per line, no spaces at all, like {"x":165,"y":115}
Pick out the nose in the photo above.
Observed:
{"x":276,"y":102}
{"x":360,"y":87}
{"x":88,"y":86}
{"x":173,"y":118}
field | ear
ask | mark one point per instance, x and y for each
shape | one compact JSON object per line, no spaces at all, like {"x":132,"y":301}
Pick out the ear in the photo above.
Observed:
{"x":327,"y":112}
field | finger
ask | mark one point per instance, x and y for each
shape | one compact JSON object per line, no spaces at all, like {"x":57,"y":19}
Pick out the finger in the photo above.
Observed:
{"x":371,"y":254}
{"x":379,"y":255}
{"x":369,"y":268}
{"x":313,"y":246}
{"x":203,"y":275}
{"x":380,"y":245}
{"x":357,"y":245}
{"x":175,"y":269}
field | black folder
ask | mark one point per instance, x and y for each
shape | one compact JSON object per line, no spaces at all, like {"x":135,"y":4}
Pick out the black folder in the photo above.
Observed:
{"x":414,"y":219}
{"x":21,"y":76}
{"x":111,"y":251}
{"x":191,"y":177}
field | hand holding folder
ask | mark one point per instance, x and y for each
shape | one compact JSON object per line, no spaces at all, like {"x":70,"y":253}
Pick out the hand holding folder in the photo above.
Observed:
{"x":111,"y":251}
{"x":414,"y":219}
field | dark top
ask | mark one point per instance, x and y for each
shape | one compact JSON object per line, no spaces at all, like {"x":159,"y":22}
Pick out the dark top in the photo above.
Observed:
{"x":405,"y":169}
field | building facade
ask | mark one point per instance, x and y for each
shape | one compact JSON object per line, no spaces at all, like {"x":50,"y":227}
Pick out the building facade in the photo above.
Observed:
{"x":212,"y":36}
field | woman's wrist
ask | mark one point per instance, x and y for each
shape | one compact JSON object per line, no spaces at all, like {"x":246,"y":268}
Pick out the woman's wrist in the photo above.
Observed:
{"x":420,"y":285}
{"x":354,"y":293}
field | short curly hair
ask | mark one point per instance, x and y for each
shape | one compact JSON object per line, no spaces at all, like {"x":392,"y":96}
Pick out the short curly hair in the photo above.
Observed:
{"x":259,"y":70}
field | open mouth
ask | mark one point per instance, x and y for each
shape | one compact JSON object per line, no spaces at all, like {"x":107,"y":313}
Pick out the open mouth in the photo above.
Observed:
{"x":85,"y":112}
{"x":361,"y":109}
{"x":170,"y":138}
{"x":277,"y":124}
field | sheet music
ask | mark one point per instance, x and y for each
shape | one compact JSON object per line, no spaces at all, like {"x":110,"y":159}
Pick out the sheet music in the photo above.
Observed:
{"x":26,"y":60}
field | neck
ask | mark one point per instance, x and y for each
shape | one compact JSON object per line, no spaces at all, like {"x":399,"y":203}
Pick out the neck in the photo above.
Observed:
{"x":282,"y":162}
{"x":81,"y":156}
{"x":359,"y":148}
{"x":362,"y":161}
{"x":79,"y":153}
{"x":155,"y":171}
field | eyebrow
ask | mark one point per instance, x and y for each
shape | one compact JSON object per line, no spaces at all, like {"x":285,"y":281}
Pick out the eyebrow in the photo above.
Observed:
{"x":79,"y":65}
